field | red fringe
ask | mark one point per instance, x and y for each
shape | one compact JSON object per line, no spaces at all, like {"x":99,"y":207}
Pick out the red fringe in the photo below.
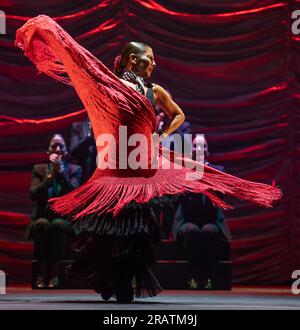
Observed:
{"x":109,"y":104}
{"x":111,"y":194}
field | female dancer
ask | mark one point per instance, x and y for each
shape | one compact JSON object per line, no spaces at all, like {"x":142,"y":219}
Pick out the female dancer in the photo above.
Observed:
{"x":113,"y":207}
{"x":110,"y":272}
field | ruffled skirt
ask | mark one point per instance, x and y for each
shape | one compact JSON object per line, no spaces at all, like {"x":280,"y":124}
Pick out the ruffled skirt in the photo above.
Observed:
{"x":115,"y":249}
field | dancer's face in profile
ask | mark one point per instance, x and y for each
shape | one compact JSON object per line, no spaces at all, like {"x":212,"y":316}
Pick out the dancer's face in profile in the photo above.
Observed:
{"x":57,"y":146}
{"x":145,"y":63}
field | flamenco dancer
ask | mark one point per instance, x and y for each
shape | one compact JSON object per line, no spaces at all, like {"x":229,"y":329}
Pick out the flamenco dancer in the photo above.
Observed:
{"x":113,"y":208}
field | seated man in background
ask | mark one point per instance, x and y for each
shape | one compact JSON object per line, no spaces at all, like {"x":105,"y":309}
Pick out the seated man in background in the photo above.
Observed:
{"x":50,"y":232}
{"x":199,"y":225}
{"x":83,"y":147}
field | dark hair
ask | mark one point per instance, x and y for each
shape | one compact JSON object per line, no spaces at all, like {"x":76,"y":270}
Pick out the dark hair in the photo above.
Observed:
{"x":132,"y":47}
{"x":54,"y":135}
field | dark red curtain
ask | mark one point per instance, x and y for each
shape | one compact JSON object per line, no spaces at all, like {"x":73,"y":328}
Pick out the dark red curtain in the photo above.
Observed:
{"x":233,"y":66}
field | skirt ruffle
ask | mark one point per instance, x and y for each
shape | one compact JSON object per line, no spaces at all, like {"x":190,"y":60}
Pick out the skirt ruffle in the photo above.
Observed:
{"x":111,"y":248}
{"x":133,"y":219}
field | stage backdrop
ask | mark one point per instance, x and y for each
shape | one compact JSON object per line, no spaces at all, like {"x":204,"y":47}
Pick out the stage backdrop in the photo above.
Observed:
{"x":232,"y":65}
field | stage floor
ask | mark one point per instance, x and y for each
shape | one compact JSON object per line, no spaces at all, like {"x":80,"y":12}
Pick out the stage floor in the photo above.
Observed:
{"x":259,"y":298}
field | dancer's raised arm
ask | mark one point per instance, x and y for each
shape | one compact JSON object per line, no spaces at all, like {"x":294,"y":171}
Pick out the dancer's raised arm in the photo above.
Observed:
{"x":165,"y":102}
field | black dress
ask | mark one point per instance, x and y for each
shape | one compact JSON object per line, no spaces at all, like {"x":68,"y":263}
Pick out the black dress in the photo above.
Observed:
{"x":112,"y":251}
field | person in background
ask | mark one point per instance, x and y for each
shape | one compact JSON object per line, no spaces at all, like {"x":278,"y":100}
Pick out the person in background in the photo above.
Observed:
{"x":50,"y":232}
{"x":199,"y":225}
{"x":83,"y":147}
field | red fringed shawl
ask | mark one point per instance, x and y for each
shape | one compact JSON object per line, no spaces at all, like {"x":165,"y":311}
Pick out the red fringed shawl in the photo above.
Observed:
{"x":110,"y":104}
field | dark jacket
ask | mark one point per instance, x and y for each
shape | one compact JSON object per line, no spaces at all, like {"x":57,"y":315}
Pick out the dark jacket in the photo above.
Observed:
{"x":198,"y":209}
{"x":42,"y":188}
